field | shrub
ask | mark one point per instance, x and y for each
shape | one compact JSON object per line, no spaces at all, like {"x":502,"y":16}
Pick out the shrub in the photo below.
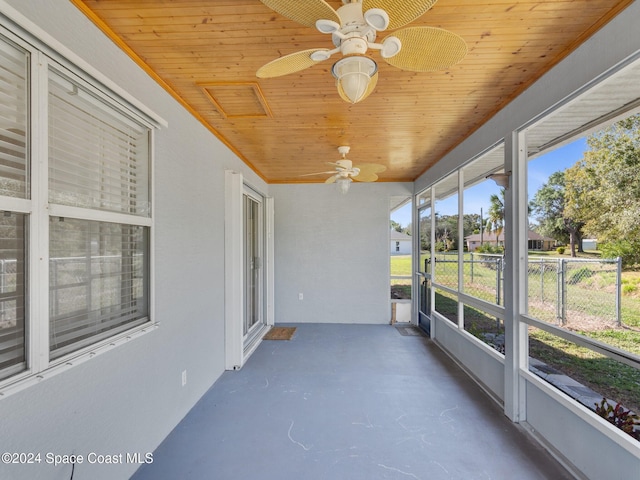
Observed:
{"x":628,"y":251}
{"x":489,"y":248}
{"x":560,"y":250}
{"x":625,"y":420}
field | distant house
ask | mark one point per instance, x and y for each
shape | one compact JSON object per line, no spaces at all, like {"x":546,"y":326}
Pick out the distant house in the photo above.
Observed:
{"x":535,"y":241}
{"x":400,"y":243}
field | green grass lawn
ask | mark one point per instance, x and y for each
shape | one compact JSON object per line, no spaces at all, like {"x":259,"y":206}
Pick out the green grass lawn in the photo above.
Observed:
{"x":401,"y":265}
{"x":606,"y":376}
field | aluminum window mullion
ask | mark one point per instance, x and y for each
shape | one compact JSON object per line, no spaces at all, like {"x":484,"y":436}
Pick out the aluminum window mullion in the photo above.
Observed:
{"x":460,"y":238}
{"x":56,"y":210}
{"x":38,"y":251}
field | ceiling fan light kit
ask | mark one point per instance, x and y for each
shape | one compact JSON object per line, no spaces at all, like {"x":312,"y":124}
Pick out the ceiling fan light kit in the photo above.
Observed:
{"x":353,"y":28}
{"x":353,"y":76}
{"x":344,"y":184}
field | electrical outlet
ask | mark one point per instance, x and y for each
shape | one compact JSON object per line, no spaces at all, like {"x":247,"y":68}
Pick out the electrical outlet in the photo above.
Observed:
{"x":184,"y":378}
{"x":300,"y":296}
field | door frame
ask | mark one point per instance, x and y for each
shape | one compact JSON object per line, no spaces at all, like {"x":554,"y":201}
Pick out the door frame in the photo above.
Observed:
{"x":237,"y":351}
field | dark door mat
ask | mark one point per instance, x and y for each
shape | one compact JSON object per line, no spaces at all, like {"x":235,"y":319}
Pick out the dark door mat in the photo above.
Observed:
{"x":280,"y":333}
{"x":411,"y":331}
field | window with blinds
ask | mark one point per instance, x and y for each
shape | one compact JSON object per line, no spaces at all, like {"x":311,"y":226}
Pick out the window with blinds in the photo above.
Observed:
{"x":14,"y":107}
{"x":94,"y":149}
{"x":98,"y":280}
{"x":98,"y":271}
{"x":12,"y":293}
{"x":98,"y":157}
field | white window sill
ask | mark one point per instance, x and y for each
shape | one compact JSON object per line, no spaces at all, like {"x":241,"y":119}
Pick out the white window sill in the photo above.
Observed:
{"x":26,"y":379}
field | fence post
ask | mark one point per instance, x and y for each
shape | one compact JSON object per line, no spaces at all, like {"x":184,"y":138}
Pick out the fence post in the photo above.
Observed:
{"x":619,"y":291}
{"x":541,"y":280}
{"x":3,"y":274}
{"x":471,"y":255}
{"x":559,"y":291}
{"x":497,"y":262}
{"x":564,"y":292}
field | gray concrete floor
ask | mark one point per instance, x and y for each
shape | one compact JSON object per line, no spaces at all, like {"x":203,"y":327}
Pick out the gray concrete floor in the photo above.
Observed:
{"x":348,"y":402}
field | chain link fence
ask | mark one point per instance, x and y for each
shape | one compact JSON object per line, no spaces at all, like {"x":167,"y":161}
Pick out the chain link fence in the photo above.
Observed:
{"x":582,"y":293}
{"x":575,"y":292}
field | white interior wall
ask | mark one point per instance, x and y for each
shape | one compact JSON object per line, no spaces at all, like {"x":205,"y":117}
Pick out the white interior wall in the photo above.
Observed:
{"x":128,"y":399}
{"x":333,"y":249}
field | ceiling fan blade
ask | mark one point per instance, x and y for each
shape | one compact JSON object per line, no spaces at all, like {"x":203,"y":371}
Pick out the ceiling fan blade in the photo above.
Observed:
{"x":365,"y":177}
{"x":371,"y":168}
{"x":426,"y":49}
{"x":370,"y":88}
{"x":305,"y":12}
{"x":400,"y":12}
{"x":294,"y":62}
{"x":332,"y":179}
{"x":367,"y":172}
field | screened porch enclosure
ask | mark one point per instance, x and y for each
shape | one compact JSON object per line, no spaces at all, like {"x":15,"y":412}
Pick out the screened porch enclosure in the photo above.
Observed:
{"x":114,"y":257}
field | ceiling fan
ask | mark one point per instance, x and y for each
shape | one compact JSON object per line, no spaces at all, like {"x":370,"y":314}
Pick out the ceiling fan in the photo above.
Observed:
{"x":353,"y":28}
{"x":345,"y":172}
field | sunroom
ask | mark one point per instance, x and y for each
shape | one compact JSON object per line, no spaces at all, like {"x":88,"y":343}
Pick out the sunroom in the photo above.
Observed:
{"x":144,"y":261}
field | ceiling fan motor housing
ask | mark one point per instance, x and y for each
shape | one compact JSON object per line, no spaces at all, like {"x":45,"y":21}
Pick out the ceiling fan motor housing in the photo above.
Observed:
{"x":353,"y":26}
{"x":344,"y":164}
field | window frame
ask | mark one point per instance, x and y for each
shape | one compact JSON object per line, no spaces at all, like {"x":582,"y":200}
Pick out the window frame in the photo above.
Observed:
{"x":42,"y":58}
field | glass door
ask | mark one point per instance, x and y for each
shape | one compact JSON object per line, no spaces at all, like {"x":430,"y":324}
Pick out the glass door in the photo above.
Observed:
{"x":253,"y":246}
{"x":424,"y":263}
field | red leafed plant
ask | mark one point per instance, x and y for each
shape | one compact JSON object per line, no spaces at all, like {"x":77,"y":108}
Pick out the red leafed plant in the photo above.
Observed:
{"x":625,"y":420}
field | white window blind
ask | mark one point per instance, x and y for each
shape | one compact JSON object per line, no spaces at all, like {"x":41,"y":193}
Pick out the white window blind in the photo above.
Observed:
{"x":12,"y":293}
{"x":98,"y":271}
{"x":98,"y":281}
{"x":13,"y":120}
{"x":14,"y":108}
{"x":98,"y":157}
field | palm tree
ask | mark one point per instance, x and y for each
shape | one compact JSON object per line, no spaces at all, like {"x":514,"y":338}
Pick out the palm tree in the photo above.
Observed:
{"x":496,"y":212}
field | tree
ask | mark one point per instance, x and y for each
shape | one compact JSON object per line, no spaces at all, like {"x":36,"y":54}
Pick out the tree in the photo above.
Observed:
{"x":548,"y":205}
{"x":396,"y":226}
{"x":603,"y":189}
{"x":496,"y":212}
{"x":446,"y":232}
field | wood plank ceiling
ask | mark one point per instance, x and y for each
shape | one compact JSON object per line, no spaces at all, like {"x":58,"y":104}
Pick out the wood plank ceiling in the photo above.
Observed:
{"x":206,"y":54}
